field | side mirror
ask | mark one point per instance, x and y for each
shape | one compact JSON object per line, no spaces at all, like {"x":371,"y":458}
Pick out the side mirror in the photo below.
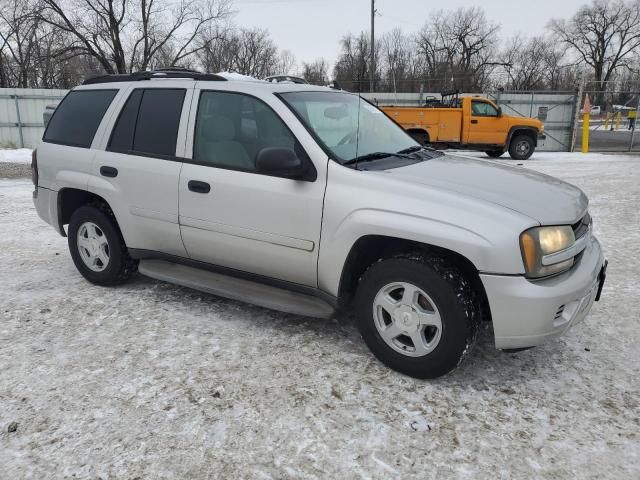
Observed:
{"x":499,"y":111}
{"x":279,"y":161}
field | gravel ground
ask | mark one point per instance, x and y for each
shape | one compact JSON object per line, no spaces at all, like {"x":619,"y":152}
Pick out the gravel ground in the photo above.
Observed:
{"x":150,"y":380}
{"x":15,"y":170}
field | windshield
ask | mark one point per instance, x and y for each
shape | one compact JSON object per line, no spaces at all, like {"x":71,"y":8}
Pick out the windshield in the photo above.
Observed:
{"x":347,"y":125}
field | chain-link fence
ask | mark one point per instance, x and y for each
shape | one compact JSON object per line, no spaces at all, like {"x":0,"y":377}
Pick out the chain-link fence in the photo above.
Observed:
{"x":612,"y":124}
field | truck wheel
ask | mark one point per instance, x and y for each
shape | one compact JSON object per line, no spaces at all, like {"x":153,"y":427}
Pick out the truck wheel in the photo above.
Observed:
{"x":97,"y":247}
{"x":495,"y":153}
{"x":417,"y":314}
{"x":521,"y":147}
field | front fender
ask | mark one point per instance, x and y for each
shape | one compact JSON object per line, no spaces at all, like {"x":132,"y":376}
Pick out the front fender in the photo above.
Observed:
{"x":478,"y":249}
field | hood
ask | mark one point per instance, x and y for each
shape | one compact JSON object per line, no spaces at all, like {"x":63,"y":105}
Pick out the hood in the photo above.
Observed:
{"x":543,"y":198}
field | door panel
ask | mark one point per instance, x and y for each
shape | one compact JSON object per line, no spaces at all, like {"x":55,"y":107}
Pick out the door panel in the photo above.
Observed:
{"x":485,"y":127}
{"x":144,"y":198}
{"x":266,"y":225}
{"x":139,"y":176}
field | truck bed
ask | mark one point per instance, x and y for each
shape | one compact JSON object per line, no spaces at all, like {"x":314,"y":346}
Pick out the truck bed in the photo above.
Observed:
{"x":442,"y":124}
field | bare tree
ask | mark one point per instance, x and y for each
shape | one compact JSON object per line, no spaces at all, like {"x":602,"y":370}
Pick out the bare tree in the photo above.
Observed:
{"x":354,"y":63}
{"x":249,"y":51}
{"x":316,"y":72}
{"x":603,"y":35}
{"x":397,"y":55}
{"x":123,"y":35}
{"x":286,"y":62}
{"x":526,"y":61}
{"x":18,"y":28}
{"x":458,"y":49}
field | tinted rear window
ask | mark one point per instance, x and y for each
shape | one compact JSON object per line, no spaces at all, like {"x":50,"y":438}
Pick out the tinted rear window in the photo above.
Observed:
{"x":78,"y":117}
{"x":158,"y":121}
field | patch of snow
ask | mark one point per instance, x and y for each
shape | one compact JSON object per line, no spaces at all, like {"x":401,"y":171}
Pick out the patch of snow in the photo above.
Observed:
{"x":20,"y":155}
{"x":238,"y":77}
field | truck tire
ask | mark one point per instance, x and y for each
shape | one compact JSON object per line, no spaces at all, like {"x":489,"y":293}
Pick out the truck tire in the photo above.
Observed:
{"x":417,"y":314}
{"x":97,"y":247}
{"x":521,"y":147}
{"x":495,"y":153}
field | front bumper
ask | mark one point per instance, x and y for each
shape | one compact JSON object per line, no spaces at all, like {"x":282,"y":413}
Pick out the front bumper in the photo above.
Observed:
{"x":526,"y":314}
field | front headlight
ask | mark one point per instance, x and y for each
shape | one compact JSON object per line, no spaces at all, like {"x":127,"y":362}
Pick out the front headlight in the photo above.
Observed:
{"x":540,"y":242}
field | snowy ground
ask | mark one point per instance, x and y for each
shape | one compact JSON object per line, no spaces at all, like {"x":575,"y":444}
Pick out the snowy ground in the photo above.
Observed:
{"x":20,"y":155}
{"x":155,"y":381}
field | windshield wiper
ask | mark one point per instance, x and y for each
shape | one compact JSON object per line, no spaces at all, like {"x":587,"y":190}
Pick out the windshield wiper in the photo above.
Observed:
{"x":376,"y":156}
{"x":417,"y":148}
{"x":411,"y":149}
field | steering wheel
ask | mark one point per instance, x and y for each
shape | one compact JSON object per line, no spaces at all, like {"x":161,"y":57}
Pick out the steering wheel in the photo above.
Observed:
{"x":349,"y":138}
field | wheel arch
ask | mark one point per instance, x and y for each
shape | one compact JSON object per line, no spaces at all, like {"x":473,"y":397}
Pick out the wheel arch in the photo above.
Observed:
{"x":370,"y":249}
{"x":522,"y":130}
{"x":70,"y":199}
{"x":416,"y":133}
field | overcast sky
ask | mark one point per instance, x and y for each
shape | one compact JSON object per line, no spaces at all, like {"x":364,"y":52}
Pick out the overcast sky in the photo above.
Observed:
{"x":313,"y":28}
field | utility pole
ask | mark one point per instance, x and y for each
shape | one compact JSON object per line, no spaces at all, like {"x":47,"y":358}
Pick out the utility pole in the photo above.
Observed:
{"x":373,"y":46}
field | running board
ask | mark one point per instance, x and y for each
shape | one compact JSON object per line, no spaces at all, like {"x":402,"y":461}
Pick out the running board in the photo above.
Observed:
{"x":266,"y":296}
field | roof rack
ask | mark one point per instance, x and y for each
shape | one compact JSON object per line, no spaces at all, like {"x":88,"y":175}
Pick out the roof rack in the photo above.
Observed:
{"x":164,"y":73}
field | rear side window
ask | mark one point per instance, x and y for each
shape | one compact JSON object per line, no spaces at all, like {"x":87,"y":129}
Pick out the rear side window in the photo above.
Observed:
{"x":77,"y":118}
{"x":122,"y":136}
{"x":149,"y":122}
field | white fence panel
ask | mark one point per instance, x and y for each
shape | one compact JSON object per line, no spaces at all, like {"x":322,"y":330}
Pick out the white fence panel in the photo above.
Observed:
{"x":21,"y":122}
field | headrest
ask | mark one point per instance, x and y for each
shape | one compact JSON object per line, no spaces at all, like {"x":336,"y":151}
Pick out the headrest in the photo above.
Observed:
{"x":217,"y":128}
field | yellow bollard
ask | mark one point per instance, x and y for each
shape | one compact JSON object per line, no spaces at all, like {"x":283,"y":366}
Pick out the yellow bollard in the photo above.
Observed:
{"x":618,"y":120}
{"x":606,"y":121}
{"x":585,"y":133}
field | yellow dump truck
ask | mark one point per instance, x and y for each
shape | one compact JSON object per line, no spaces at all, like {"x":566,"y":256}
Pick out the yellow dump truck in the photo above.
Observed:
{"x":473,"y":123}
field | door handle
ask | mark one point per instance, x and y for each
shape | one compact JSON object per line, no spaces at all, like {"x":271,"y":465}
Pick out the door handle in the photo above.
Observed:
{"x":108,"y":172}
{"x":474,"y":121}
{"x":199,"y":187}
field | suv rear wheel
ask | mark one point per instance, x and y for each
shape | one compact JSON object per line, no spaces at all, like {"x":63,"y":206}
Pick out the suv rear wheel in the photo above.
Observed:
{"x":97,"y":248}
{"x":417,"y":314}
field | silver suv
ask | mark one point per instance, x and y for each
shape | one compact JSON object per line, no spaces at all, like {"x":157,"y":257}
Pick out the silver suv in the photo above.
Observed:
{"x":307,"y":200}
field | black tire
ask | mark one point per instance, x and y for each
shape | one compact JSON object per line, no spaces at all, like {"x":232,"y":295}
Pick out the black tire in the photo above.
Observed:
{"x":521,"y":147}
{"x":495,"y":153}
{"x":455,"y":301}
{"x":120,"y":265}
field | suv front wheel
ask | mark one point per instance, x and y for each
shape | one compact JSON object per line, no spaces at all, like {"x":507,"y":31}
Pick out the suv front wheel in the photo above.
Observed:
{"x":97,"y":248}
{"x":417,"y":314}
